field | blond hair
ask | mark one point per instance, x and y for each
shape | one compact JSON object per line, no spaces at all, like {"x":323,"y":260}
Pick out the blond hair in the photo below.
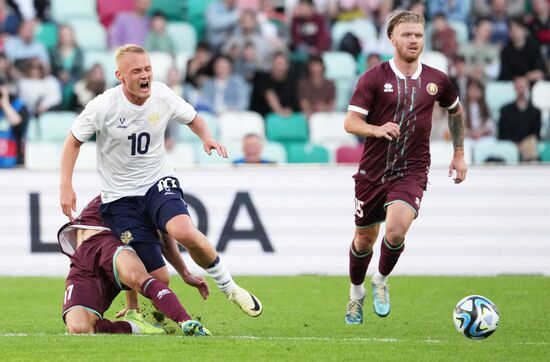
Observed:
{"x":397,"y":17}
{"x":126,"y":49}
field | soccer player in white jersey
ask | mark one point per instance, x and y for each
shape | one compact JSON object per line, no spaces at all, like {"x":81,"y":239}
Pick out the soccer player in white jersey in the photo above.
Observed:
{"x":140,"y":192}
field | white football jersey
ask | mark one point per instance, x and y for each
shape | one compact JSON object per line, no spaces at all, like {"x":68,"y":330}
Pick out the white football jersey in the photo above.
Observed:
{"x":130,"y":138}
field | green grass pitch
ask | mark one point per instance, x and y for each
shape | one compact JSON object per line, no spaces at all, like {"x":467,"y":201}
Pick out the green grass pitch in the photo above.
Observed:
{"x":303,"y":320}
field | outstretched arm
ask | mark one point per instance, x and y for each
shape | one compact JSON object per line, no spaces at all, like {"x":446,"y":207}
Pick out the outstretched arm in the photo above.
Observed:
{"x":67,"y":197}
{"x":200,"y":128}
{"x":171,"y":252}
{"x":456,"y":127}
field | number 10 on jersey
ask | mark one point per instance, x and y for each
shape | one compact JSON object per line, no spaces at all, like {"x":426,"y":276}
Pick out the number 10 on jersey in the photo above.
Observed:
{"x":140,"y":143}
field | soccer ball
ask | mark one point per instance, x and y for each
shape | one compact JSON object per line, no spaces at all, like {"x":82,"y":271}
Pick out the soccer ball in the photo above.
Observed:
{"x":476,"y":317}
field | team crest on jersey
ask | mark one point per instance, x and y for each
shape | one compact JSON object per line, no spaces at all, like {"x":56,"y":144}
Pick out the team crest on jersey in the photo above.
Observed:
{"x":126,"y":237}
{"x":388,"y":88}
{"x":432,"y":89}
{"x":153,"y":118}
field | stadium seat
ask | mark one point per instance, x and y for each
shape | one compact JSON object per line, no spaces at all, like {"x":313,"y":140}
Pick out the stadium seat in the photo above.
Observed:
{"x":441,"y":153}
{"x":42,"y":155}
{"x":70,"y":10}
{"x":54,"y":126}
{"x":187,"y":136}
{"x":340,"y":65}
{"x":46,"y":33}
{"x":274,"y":151}
{"x":307,"y":153}
{"x":541,"y":99}
{"x":161,"y":63}
{"x":182,"y":155}
{"x":286,"y":129}
{"x":235,"y":125}
{"x":33,"y":131}
{"x":173,"y":9}
{"x":544,"y":151}
{"x":89,"y":34}
{"x":498,"y":94}
{"x":327,"y":129}
{"x":349,"y":154}
{"x":505,"y":151}
{"x":107,"y":9}
{"x":363,"y":29}
{"x":461,"y":31}
{"x":344,"y":91}
{"x":435,"y":60}
{"x":194,"y":14}
{"x":181,"y":63}
{"x":107,"y":61}
{"x":87,"y":157}
{"x":184,"y":37}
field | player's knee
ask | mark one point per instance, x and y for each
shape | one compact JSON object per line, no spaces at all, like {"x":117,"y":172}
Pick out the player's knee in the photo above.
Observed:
{"x":79,"y":327}
{"x":363,"y":240}
{"x":394,"y":235}
{"x":185,"y":235}
{"x":160,"y":274}
{"x":164,"y":279}
{"x":135,"y":280}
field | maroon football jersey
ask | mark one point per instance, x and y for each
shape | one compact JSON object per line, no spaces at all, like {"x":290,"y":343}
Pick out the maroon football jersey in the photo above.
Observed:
{"x":89,"y":218}
{"x":384,"y":95}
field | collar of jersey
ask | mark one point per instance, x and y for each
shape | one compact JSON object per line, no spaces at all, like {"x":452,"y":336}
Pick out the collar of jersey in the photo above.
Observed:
{"x":401,"y":75}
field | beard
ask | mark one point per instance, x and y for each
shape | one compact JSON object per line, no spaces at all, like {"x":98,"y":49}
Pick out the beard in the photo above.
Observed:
{"x":408,"y":57}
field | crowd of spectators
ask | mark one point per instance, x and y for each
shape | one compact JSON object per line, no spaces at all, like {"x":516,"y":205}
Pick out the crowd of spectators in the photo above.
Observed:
{"x":267,"y":56}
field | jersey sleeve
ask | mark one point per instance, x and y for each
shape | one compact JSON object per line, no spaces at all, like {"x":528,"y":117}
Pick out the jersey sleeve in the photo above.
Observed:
{"x":182,"y":111}
{"x":448,"y":98}
{"x":87,"y":122}
{"x":363,"y":96}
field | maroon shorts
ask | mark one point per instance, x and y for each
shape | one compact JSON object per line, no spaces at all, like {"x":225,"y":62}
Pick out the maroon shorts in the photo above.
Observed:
{"x":93,"y":282}
{"x":371,"y":200}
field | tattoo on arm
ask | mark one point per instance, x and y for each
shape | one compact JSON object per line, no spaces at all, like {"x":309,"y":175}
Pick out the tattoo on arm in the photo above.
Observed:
{"x":456,"y":127}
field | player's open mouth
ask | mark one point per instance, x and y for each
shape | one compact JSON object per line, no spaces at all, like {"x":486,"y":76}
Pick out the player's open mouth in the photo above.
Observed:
{"x":144,"y":86}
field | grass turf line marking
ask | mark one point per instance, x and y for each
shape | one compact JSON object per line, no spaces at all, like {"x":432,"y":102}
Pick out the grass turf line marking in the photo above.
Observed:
{"x":315,"y":339}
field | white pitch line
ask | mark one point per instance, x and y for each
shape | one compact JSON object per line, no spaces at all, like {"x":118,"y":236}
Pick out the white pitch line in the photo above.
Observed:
{"x":275,"y":338}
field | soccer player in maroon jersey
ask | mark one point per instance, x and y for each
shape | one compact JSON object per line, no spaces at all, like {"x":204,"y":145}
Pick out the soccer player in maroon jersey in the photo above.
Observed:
{"x":101,"y":266}
{"x":392,"y":108}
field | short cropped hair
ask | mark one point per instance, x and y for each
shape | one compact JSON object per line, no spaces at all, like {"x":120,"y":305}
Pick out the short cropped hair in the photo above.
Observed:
{"x":403,"y":16}
{"x":128,"y":48}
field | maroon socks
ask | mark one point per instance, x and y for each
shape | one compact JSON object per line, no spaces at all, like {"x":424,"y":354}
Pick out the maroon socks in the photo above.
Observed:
{"x":358,"y":264}
{"x":164,"y":300}
{"x":389,"y":255}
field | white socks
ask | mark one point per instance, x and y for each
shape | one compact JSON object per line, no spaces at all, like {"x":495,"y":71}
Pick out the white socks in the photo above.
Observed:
{"x":356,"y":291}
{"x":378,"y":278}
{"x":222,"y":277}
{"x":135,"y":327}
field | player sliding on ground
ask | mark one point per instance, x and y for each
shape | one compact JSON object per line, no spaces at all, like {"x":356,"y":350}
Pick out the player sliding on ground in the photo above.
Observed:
{"x":101,"y":266}
{"x":140,"y":192}
{"x":392,"y":108}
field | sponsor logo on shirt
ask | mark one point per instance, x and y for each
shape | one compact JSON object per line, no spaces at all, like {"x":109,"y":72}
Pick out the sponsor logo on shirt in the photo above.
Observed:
{"x":388,"y":88}
{"x":432,"y":89}
{"x":417,"y":202}
{"x":121,"y":121}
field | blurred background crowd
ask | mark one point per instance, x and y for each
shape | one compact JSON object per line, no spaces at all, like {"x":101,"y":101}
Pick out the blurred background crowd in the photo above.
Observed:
{"x":273,"y":77}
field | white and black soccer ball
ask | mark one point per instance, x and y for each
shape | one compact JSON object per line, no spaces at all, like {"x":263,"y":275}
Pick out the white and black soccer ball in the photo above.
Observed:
{"x":476,"y":317}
